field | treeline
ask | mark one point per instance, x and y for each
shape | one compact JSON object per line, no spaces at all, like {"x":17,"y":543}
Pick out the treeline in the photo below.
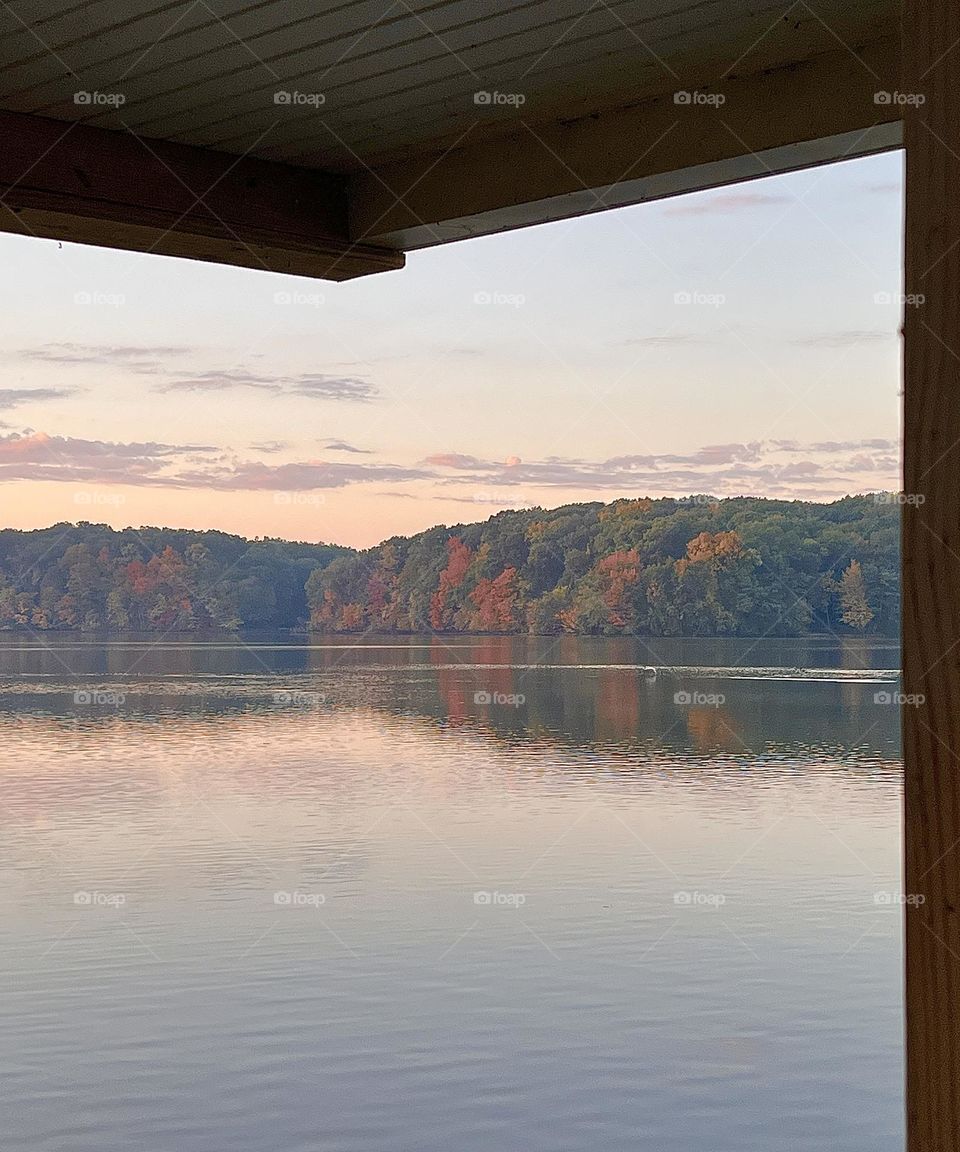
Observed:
{"x":91,"y":577}
{"x":692,"y":567}
{"x":673,"y":567}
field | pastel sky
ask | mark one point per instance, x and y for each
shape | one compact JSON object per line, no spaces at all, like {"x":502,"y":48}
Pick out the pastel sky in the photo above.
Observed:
{"x":740,"y":341}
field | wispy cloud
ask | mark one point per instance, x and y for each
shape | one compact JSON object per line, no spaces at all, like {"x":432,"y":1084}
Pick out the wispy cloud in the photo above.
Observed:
{"x":343,"y":446}
{"x":845,"y":338}
{"x":164,"y":362}
{"x":14,"y":397}
{"x":770,"y":467}
{"x":670,"y":339}
{"x":460,"y":461}
{"x":785,"y":468}
{"x":315,"y":385}
{"x":38,"y":456}
{"x":297,"y":477}
{"x":270,"y":446}
{"x":139,"y":358}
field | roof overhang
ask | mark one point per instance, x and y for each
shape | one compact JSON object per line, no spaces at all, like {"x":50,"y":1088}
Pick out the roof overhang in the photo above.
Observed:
{"x":177,"y":132}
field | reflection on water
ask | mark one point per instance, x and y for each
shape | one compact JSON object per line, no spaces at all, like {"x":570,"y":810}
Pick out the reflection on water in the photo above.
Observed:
{"x":484,"y":894}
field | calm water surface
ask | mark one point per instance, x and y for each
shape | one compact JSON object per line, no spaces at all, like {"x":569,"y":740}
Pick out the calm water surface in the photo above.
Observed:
{"x":473,"y":894}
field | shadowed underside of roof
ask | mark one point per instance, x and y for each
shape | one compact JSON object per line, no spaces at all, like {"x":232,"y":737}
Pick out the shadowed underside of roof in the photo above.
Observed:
{"x":325,"y":139}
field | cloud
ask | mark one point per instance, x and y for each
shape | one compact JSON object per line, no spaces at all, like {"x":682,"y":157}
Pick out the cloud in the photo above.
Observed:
{"x":670,"y":339}
{"x":835,"y":447}
{"x":299,"y":477}
{"x":725,"y":203}
{"x":771,"y":467}
{"x":315,"y":385}
{"x":139,"y":358}
{"x":14,"y":397}
{"x":38,"y":456}
{"x":843,"y":338}
{"x":787,"y":468}
{"x":153,"y":360}
{"x":270,"y":445}
{"x":343,"y":446}
{"x":458,"y":460}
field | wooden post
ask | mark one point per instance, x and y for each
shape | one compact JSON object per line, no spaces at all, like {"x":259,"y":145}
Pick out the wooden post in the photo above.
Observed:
{"x":931,"y":571}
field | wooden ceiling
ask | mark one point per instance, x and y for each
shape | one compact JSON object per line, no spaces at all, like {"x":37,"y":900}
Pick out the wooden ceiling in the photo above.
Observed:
{"x":392,"y":125}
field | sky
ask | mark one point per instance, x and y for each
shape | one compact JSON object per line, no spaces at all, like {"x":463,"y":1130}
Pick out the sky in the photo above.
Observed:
{"x":741,"y":341}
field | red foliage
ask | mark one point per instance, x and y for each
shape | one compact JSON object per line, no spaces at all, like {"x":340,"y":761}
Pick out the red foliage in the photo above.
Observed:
{"x":378,"y":591}
{"x":458,"y":562}
{"x":617,"y":572}
{"x":496,"y":602}
{"x":351,"y":617}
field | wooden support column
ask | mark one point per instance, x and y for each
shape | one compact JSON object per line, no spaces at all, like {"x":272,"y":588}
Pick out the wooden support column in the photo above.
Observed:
{"x":931,"y":571}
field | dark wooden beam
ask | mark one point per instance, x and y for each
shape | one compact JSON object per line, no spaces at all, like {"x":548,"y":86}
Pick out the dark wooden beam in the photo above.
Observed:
{"x":795,"y":116}
{"x":931,"y":572}
{"x":111,"y":188}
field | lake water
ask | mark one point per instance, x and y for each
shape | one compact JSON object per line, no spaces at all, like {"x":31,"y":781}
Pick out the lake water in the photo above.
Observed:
{"x":472,"y":894}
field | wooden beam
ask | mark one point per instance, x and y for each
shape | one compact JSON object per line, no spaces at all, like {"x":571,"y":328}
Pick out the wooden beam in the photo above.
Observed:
{"x":931,"y":573}
{"x":111,"y":188}
{"x":796,"y":116}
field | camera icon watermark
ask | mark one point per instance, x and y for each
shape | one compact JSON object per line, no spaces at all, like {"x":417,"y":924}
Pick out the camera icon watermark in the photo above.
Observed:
{"x":93,"y":697}
{"x":902,"y":499}
{"x":503,"y":499}
{"x":500,"y":699}
{"x":484,"y":99}
{"x":294,"y":99}
{"x":900,"y":99}
{"x":500,"y":899}
{"x":310,"y":299}
{"x":699,"y":899}
{"x":297,"y":899}
{"x":500,"y":299}
{"x":99,"y":99}
{"x":904,"y":299}
{"x":298,"y":699}
{"x":900,"y":699}
{"x":99,"y":499}
{"x":300,"y":499}
{"x":699,"y":699}
{"x":99,"y":899}
{"x":893,"y":899}
{"x":699,"y":99}
{"x":99,"y":299}
{"x":700,"y":299}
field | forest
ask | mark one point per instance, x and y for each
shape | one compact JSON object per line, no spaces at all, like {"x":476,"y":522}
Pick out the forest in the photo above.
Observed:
{"x":695,"y":566}
{"x":91,"y":577}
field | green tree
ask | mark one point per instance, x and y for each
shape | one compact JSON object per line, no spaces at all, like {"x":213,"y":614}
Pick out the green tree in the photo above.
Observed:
{"x":857,"y":613}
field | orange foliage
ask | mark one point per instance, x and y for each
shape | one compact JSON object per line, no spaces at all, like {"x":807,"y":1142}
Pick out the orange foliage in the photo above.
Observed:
{"x":326,"y":613}
{"x":625,"y":508}
{"x":351,"y":617}
{"x":713,"y":546}
{"x":617,"y":572}
{"x":458,"y":562}
{"x":569,"y":618}
{"x":496,"y":603}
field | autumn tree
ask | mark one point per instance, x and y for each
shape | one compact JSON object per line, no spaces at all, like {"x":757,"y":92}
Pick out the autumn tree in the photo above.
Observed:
{"x":496,"y":603}
{"x":856,"y":611}
{"x":458,"y":563}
